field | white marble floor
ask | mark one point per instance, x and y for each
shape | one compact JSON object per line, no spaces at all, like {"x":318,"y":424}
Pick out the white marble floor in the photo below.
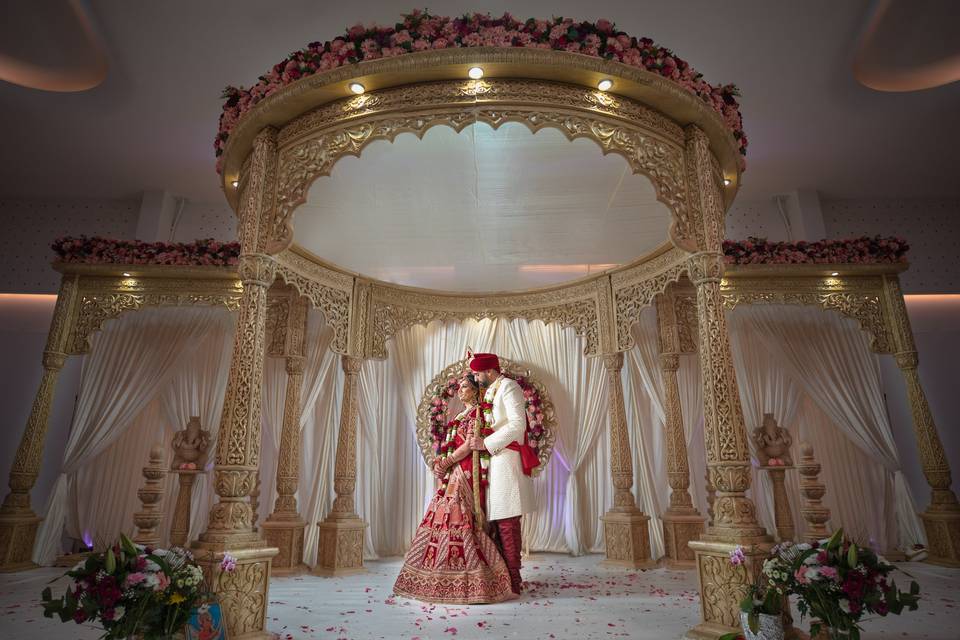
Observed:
{"x":567,"y":598}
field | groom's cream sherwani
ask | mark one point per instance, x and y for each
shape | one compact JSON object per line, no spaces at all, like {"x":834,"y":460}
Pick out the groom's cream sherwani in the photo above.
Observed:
{"x":510,"y":492}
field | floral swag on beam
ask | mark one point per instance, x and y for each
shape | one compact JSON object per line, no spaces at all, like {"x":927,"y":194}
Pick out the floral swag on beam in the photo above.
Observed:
{"x":218,"y":253}
{"x":421,"y":31}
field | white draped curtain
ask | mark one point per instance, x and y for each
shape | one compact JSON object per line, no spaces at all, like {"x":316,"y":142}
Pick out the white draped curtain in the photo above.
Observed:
{"x":150,"y":371}
{"x":130,"y":360}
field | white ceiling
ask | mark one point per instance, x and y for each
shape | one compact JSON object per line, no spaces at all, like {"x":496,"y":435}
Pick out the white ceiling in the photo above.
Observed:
{"x":151,"y":122}
{"x":482,"y":210}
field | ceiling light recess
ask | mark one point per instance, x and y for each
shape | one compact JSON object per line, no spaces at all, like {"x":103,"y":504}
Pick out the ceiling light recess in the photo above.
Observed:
{"x":605,"y":85}
{"x":475,"y":72}
{"x":357,"y":88}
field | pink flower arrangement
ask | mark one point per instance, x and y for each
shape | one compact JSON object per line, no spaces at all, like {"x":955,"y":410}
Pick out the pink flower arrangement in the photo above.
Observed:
{"x":865,"y":250}
{"x":419,"y":31}
{"x":96,"y":250}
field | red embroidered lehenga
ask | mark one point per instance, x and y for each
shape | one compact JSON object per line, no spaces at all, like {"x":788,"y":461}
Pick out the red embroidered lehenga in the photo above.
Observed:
{"x":450,"y":560}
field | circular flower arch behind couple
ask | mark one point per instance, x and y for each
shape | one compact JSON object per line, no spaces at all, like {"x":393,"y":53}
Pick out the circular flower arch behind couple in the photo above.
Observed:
{"x":434,"y":412}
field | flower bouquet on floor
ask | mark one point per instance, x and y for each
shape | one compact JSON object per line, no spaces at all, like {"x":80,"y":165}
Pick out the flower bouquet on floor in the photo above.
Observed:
{"x":132,"y":591}
{"x":837,"y":582}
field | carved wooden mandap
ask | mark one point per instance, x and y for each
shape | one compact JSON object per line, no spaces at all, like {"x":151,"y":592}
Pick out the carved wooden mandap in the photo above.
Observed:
{"x":298,"y":133}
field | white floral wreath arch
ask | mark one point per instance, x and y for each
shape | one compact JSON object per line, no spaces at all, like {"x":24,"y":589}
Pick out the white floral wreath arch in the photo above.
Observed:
{"x":432,"y":413}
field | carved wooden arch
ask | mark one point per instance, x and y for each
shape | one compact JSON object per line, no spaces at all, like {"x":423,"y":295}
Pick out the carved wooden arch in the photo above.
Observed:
{"x":309,"y":147}
{"x":512,"y":369}
{"x":584,"y":306}
{"x":101,"y":297}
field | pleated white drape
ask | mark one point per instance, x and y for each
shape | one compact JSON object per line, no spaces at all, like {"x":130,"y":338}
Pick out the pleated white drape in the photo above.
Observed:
{"x":130,"y":359}
{"x":830,"y":358}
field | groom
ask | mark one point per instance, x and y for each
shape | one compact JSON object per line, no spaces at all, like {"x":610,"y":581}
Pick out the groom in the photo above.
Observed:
{"x":510,"y":491}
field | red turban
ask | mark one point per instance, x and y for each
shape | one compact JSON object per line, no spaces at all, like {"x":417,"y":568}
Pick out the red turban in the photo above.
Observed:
{"x":484,"y":361}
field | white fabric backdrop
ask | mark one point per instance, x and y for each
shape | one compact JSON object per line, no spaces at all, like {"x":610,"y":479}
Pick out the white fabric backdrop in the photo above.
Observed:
{"x":394,"y":485}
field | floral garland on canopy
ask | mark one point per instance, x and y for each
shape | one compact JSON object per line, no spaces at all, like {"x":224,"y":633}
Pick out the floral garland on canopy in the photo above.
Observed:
{"x":96,"y":250}
{"x":443,"y":437}
{"x":865,"y":250}
{"x":421,"y":31}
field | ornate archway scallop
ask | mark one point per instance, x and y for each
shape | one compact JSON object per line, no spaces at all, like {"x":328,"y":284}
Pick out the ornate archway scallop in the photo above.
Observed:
{"x":442,"y":388}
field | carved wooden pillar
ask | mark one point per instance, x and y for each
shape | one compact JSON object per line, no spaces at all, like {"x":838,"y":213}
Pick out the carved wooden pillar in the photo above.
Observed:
{"x":151,"y":495}
{"x":625,"y":526}
{"x":681,"y":521}
{"x":180,"y":526}
{"x":722,"y":585}
{"x":243,"y":593}
{"x":782,"y":515}
{"x":941,"y":520}
{"x":284,"y":526}
{"x":18,"y":522}
{"x":340,"y":548}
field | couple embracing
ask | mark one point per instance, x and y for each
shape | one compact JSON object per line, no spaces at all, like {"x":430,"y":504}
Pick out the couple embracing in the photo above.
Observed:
{"x":453,"y":558}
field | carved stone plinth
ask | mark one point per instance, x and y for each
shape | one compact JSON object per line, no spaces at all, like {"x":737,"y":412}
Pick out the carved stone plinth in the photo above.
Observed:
{"x":243,"y":593}
{"x":812,"y":508}
{"x":340,"y":548}
{"x":678,"y":531}
{"x":180,"y":527}
{"x":287,"y":536}
{"x":943,"y":537}
{"x":627,"y":536}
{"x":17,"y":534}
{"x":723,"y":585}
{"x":151,"y":496}
{"x":783,"y":517}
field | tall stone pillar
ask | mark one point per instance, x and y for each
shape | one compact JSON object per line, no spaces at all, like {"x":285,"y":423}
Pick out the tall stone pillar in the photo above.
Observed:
{"x":625,"y":527}
{"x":681,"y":521}
{"x":722,"y":585}
{"x":243,"y":592}
{"x":18,"y":522}
{"x":283,"y":528}
{"x":340,"y":548}
{"x":941,"y":520}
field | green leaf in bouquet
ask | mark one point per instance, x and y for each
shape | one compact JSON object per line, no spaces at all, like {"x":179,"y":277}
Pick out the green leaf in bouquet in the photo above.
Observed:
{"x":753,"y":621}
{"x":835,"y":539}
{"x":730,"y":636}
{"x":852,"y":555}
{"x":110,"y":562}
{"x":127,"y":545}
{"x":746,"y":605}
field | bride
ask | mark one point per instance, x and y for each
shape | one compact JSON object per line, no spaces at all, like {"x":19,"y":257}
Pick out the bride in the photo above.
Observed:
{"x":451,"y":560}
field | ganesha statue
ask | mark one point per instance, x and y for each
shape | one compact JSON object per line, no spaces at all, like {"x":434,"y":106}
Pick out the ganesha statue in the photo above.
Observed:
{"x":773,"y":443}
{"x":190,"y":446}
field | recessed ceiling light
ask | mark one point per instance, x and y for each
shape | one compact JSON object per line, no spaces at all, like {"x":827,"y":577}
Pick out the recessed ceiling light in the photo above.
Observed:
{"x":357,"y":88}
{"x":475,"y":72}
{"x":835,"y":273}
{"x":605,"y":85}
{"x":235,"y":183}
{"x":726,"y":182}
{"x":126,"y":275}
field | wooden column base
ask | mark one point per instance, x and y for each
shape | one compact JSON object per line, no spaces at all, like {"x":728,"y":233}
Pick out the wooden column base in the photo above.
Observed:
{"x":678,"y":530}
{"x":18,"y":532}
{"x":627,"y":535}
{"x":943,"y":537}
{"x":723,"y":585}
{"x":287,"y":536}
{"x":340,"y":548}
{"x":244,"y":592}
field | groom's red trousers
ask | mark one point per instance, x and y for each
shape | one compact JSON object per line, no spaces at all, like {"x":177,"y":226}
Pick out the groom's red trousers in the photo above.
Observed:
{"x":508,"y":531}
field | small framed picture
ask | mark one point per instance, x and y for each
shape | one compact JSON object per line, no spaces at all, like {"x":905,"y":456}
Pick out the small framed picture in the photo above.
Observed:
{"x":206,"y":623}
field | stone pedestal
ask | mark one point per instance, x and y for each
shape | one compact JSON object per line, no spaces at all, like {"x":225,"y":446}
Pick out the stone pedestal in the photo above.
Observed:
{"x":340,"y":548}
{"x":943,"y":537}
{"x":723,"y":585}
{"x":783,"y":516}
{"x":151,"y":495}
{"x":18,"y":531}
{"x":678,"y":531}
{"x":627,"y":536}
{"x":180,"y":527}
{"x":287,"y":537}
{"x":243,"y":593}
